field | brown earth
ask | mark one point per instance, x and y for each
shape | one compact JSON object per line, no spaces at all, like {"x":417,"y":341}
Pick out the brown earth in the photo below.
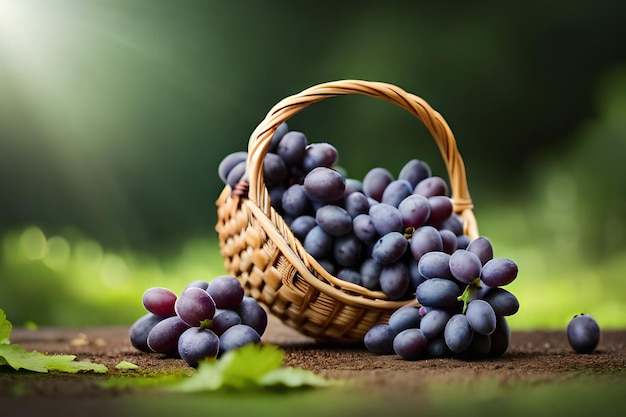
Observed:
{"x":536,"y":355}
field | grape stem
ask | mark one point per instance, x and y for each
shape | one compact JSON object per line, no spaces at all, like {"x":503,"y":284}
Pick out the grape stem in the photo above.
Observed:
{"x":471,"y":287}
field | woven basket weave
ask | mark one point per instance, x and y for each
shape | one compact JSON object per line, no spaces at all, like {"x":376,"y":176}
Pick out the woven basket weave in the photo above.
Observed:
{"x":260,"y":249}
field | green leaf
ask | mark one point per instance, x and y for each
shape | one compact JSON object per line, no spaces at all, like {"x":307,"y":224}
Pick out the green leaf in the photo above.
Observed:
{"x":5,"y":328}
{"x":248,"y":367}
{"x":126,"y":365}
{"x":19,"y":358}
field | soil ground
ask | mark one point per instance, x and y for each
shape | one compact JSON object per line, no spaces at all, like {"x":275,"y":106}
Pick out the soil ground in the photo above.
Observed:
{"x":531,"y":356}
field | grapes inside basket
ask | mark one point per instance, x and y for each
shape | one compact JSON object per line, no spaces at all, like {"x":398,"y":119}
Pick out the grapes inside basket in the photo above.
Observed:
{"x":400,"y":239}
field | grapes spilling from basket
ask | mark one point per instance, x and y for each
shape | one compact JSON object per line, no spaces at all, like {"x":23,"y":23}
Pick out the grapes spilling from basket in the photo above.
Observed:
{"x":394,"y":234}
{"x":204,"y":321}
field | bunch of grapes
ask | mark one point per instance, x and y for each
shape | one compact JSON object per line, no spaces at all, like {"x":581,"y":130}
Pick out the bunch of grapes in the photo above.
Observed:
{"x":207,"y":319}
{"x":399,"y":235}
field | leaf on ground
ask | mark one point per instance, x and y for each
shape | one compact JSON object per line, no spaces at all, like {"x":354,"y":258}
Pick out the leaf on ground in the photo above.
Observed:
{"x":251,"y":366}
{"x":126,"y":365}
{"x":17,"y":357}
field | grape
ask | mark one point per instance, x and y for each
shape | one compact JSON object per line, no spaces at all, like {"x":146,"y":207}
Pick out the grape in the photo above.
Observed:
{"x":503,"y":302}
{"x":454,"y":223}
{"x":318,"y":243}
{"x":375,"y":181}
{"x":276,"y":196}
{"x":195,"y":344}
{"x":236,"y":174}
{"x":415,"y":171}
{"x":379,"y":339}
{"x":435,"y":264}
{"x":278,"y":135}
{"x":407,"y":317}
{"x":390,"y":248}
{"x":194,"y":306}
{"x":295,"y":201}
{"x":500,"y":337}
{"x":229,"y":162}
{"x":364,"y":229}
{"x":328,"y":265}
{"x":350,"y":275}
{"x":252,"y":314}
{"x":499,"y":272}
{"x":274,"y":169}
{"x":480,"y":345}
{"x":353,"y":186}
{"x":163,"y":338}
{"x":437,"y":348}
{"x":481,"y":317}
{"x":458,"y":333}
{"x":396,"y":191}
{"x":223,"y":320}
{"x":449,"y":241}
{"x":302,"y":225}
{"x":431,"y":186}
{"x":159,"y":301}
{"x":395,"y":280}
{"x":226,"y":291}
{"x":348,"y":250}
{"x":410,"y":344}
{"x":425,"y":239}
{"x":386,"y":218}
{"x":414,"y":211}
{"x":292,"y":147}
{"x":200,"y":283}
{"x":370,"y":274}
{"x":481,"y":247}
{"x":462,"y":241}
{"x":356,"y":203}
{"x":324,"y":185}
{"x":319,"y":155}
{"x":465,"y":266}
{"x":437,"y":292}
{"x":140,"y":329}
{"x":416,"y":277}
{"x":583,"y":333}
{"x":440,"y":209}
{"x":434,"y":322}
{"x":238,"y":336}
{"x":334,"y":220}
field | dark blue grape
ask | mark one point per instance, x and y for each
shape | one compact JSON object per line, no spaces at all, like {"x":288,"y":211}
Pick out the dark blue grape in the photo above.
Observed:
{"x":415,"y":171}
{"x":386,"y":218}
{"x":437,"y":292}
{"x":434,"y":321}
{"x":481,"y":247}
{"x":407,"y":317}
{"x":425,"y":239}
{"x":292,"y":148}
{"x":480,"y":346}
{"x":324,"y":185}
{"x":364,"y":229}
{"x":458,"y":333}
{"x":414,"y":210}
{"x":410,"y":344}
{"x":454,"y":223}
{"x":278,"y":135}
{"x":295,"y":201}
{"x":274,"y":169}
{"x":440,"y":209}
{"x":395,"y":280}
{"x":379,"y":339}
{"x":348,"y":250}
{"x":252,"y":314}
{"x":200,"y":283}
{"x":396,"y":191}
{"x":302,"y":225}
{"x":163,"y":338}
{"x":226,"y":291}
{"x":481,"y":317}
{"x":196,"y":344}
{"x":465,"y":266}
{"x":375,"y":181}
{"x":357,"y":203}
{"x":499,"y":272}
{"x":238,"y":336}
{"x":318,"y":243}
{"x":449,"y":240}
{"x":229,"y":162}
{"x":435,"y":264}
{"x":370,"y":274}
{"x":334,"y":220}
{"x":236,"y":174}
{"x":319,"y":155}
{"x":437,"y":348}
{"x":350,"y":275}
{"x":431,"y":186}
{"x":583,"y":333}
{"x":353,"y":186}
{"x":223,"y":320}
{"x":389,"y":248}
{"x":504,"y":303}
{"x":500,"y":338}
{"x":140,"y":329}
{"x":462,"y":241}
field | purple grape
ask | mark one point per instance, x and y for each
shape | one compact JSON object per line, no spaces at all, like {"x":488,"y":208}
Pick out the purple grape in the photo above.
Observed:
{"x":431,"y":186}
{"x":437,"y":292}
{"x":480,"y":345}
{"x":356,"y":203}
{"x":454,"y":223}
{"x":379,"y":339}
{"x":481,"y":317}
{"x":435,"y":264}
{"x":458,"y":333}
{"x":302,"y":225}
{"x":449,"y":240}
{"x":159,"y":301}
{"x":499,"y":272}
{"x":353,"y":186}
{"x":348,"y":251}
{"x":223,"y":320}
{"x":274,"y":169}
{"x":425,"y":239}
{"x":319,"y":155}
{"x":318,"y":243}
{"x":163,"y":338}
{"x":410,"y":344}
{"x":238,"y":336}
{"x":364,"y":229}
{"x":481,"y":247}
{"x":236,"y":174}
{"x":437,"y":348}
{"x":440,"y":209}
{"x":465,"y":266}
{"x":370,"y":274}
{"x":229,"y":162}
{"x":407,"y":317}
{"x":334,"y":220}
{"x":434,"y":321}
{"x":386,"y":218}
{"x":389,"y":248}
{"x":252,"y":314}
{"x":324,"y":185}
{"x":396,"y":191}
{"x":500,"y":338}
{"x":415,"y":171}
{"x":196,"y":344}
{"x":375,"y":181}
{"x":414,"y":210}
{"x":502,"y":301}
{"x":350,"y":275}
{"x":292,"y":147}
{"x":200,"y":283}
{"x":226,"y":291}
{"x":194,"y":306}
{"x":295,"y":202}
{"x":583,"y":333}
{"x":280,"y":131}
{"x":395,"y":280}
{"x":140,"y":329}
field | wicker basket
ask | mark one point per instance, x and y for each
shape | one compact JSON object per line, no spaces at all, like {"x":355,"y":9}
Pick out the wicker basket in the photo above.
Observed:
{"x":260,"y":249}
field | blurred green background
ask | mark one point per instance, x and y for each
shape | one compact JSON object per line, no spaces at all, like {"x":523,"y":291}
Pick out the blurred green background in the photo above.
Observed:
{"x":114,"y":116}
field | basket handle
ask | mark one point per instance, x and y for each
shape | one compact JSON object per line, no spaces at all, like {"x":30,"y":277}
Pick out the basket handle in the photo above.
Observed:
{"x":442,"y":134}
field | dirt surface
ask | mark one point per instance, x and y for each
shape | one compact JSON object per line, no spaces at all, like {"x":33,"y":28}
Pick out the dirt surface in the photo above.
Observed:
{"x":537,"y":355}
